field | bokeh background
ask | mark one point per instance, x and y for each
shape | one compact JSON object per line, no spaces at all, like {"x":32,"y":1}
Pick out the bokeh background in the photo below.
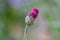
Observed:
{"x":12,"y":19}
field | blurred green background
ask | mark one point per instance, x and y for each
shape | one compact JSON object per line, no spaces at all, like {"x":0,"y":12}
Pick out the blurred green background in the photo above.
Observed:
{"x":13,"y":13}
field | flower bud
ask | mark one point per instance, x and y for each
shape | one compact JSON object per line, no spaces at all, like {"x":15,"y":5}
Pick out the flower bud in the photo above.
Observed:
{"x":34,"y":13}
{"x":32,"y":16}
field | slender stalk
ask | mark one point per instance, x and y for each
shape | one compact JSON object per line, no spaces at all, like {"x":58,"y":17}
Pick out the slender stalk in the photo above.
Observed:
{"x":25,"y":32}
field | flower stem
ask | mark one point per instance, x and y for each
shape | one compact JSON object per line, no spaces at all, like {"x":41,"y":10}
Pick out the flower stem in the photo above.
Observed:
{"x":25,"y":33}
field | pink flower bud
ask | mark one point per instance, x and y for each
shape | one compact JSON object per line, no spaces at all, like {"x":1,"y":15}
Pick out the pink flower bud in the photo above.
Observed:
{"x":32,"y":16}
{"x":34,"y":13}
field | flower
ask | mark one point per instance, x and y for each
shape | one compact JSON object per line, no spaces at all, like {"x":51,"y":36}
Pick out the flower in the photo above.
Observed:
{"x":32,"y":16}
{"x":34,"y":13}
